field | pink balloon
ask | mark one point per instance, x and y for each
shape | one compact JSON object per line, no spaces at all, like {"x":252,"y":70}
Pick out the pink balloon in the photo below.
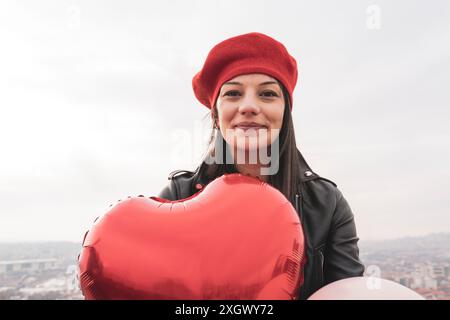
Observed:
{"x":365,"y":288}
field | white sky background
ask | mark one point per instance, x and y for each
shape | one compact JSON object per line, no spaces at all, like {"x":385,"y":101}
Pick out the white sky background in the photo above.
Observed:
{"x":96,"y":104}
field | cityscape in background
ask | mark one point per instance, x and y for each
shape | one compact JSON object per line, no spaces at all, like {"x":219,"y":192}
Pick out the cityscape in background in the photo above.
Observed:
{"x":419,"y":263}
{"x":49,"y":270}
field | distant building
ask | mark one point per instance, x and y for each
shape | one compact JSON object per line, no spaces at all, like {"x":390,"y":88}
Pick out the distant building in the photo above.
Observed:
{"x":430,"y":283}
{"x":421,"y":270}
{"x":438,"y":272}
{"x":416,"y":282}
{"x":406,"y":281}
{"x":33,"y":265}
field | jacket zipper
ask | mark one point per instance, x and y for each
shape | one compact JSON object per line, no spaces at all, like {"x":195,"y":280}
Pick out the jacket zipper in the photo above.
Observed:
{"x":297,"y":207}
{"x":320,"y":275}
{"x":300,"y":213}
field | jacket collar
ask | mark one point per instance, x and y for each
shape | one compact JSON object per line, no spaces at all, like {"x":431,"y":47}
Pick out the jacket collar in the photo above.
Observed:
{"x":305,"y":170}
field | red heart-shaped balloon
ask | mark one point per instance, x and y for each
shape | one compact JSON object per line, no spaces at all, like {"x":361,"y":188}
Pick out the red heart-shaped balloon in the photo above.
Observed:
{"x":237,"y":238}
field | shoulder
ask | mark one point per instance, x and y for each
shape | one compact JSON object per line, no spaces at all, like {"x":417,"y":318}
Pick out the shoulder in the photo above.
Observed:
{"x":179,"y":185}
{"x":309,"y":175}
{"x":326,"y":205}
{"x":320,"y":188}
{"x":177,"y":174}
{"x":329,"y":202}
{"x":313,"y":180}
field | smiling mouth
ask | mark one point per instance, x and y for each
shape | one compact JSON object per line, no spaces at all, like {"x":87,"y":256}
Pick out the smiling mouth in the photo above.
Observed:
{"x":246,"y":127}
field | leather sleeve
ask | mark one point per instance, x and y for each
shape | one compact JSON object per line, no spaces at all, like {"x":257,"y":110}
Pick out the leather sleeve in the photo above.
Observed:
{"x":169,"y":192}
{"x":341,"y":258}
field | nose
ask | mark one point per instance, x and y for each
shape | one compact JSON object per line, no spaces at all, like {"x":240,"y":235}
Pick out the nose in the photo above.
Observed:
{"x":249,"y":105}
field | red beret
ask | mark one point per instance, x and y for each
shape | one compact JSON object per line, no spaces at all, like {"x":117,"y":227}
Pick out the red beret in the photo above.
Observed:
{"x":247,"y":53}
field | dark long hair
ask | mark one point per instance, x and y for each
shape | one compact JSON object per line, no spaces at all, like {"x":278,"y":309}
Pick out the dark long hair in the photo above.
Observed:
{"x":286,"y":179}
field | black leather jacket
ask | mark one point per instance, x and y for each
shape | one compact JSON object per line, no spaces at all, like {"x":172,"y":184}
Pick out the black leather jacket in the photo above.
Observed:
{"x":328,"y":224}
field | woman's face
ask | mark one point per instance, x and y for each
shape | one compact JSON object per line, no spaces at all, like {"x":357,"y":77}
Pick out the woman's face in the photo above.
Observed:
{"x":250,"y":111}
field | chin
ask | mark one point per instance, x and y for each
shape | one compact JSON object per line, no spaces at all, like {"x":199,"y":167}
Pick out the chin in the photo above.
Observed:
{"x":252,"y":146}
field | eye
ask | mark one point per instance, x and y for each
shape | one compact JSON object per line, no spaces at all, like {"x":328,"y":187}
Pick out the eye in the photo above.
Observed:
{"x":231,"y":93}
{"x":234,"y":93}
{"x":271,"y":94}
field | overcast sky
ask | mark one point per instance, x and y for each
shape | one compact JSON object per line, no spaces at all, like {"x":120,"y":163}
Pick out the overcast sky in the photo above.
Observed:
{"x":96,"y":104}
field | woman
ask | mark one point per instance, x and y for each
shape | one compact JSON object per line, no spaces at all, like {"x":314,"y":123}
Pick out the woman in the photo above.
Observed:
{"x":247,"y":81}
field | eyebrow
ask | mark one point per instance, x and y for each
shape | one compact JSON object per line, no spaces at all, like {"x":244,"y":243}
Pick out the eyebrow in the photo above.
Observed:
{"x":240,"y":84}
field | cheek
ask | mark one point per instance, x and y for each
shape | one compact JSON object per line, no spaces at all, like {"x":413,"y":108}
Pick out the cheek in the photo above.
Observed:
{"x":225,"y":116}
{"x":276,"y":122}
{"x":276,"y":118}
